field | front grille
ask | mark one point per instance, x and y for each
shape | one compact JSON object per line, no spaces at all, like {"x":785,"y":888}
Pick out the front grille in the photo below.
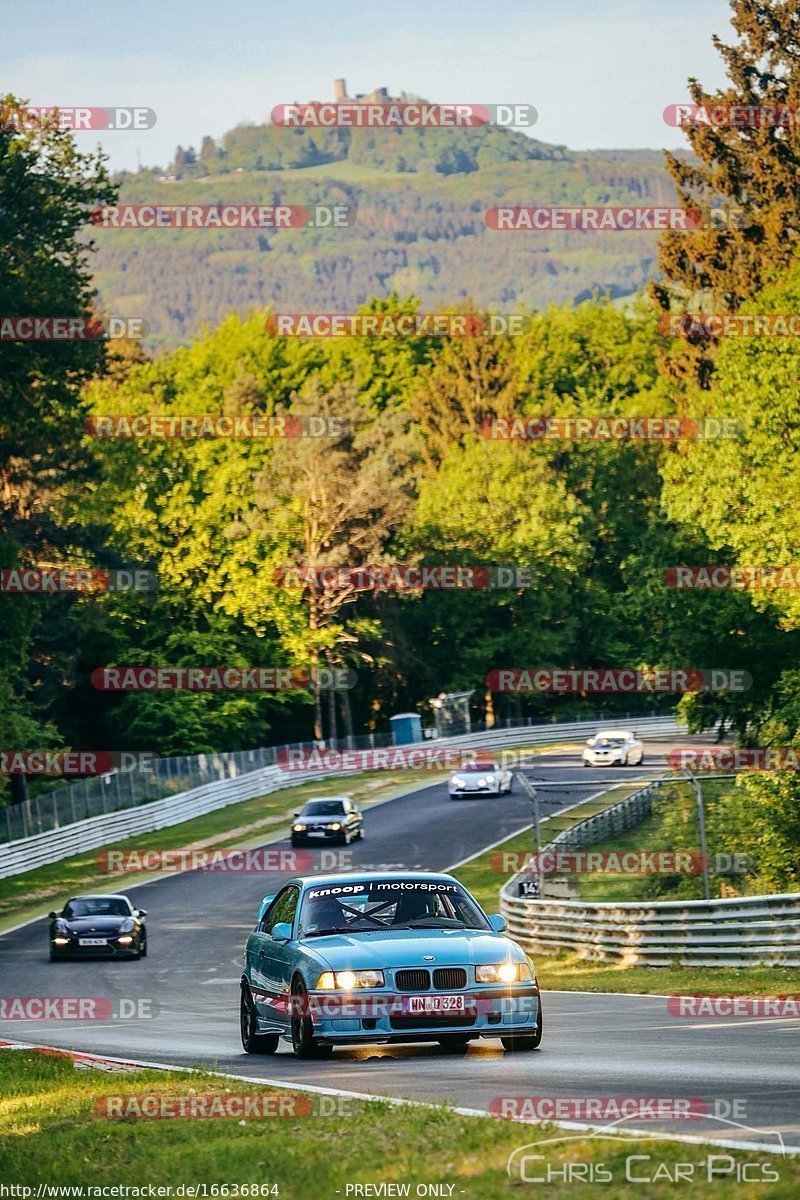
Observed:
{"x":416,"y":980}
{"x":449,"y":977}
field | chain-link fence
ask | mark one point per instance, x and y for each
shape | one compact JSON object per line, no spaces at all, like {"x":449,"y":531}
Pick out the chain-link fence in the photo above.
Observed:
{"x":160,"y":777}
{"x":157,"y":778}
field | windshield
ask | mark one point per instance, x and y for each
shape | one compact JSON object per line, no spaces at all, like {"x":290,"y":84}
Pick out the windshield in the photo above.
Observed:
{"x":617,"y":741}
{"x":477,"y":769}
{"x":323,"y":808}
{"x":381,"y":904}
{"x":100,"y":906}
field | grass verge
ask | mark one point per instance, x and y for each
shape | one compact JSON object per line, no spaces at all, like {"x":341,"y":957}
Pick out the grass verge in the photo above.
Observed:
{"x":52,"y":1134}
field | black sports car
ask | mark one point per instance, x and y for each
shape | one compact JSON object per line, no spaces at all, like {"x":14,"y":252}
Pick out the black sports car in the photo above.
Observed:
{"x":97,"y":926}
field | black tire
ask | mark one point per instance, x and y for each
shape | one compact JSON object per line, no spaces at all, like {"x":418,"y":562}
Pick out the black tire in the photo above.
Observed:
{"x":295,"y":844}
{"x":531,"y":1041}
{"x":252,"y":1042}
{"x":454,"y":1043}
{"x":304,"y":1044}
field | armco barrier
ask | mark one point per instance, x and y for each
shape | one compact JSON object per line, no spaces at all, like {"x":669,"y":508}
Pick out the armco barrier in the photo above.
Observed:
{"x":25,"y":854}
{"x":736,"y":932}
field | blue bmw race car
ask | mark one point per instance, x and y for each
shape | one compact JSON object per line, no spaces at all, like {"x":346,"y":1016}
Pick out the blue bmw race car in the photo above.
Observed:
{"x":396,"y":957}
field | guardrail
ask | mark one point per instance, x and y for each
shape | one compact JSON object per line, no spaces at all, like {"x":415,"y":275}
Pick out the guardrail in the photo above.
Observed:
{"x":737,"y":931}
{"x":24,"y":854}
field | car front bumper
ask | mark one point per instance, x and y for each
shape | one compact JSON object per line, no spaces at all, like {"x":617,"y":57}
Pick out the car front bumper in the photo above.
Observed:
{"x":381,"y":1016}
{"x":319,"y":836}
{"x":475,"y":791}
{"x":108,"y":951}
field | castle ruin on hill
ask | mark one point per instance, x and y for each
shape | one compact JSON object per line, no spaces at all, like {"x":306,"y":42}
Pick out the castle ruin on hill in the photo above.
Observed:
{"x":376,"y":96}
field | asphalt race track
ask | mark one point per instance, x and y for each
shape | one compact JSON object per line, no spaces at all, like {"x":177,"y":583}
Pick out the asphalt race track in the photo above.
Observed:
{"x":594,"y":1045}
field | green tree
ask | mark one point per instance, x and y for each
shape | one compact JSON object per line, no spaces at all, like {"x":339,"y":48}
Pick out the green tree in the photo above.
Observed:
{"x":751,"y":173}
{"x":47,"y":190}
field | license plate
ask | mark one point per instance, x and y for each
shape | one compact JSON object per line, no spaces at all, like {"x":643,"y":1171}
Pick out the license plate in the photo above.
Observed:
{"x":316,"y":833}
{"x":92,"y":941}
{"x":439,"y":1005}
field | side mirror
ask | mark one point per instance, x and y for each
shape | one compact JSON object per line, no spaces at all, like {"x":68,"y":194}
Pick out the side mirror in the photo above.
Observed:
{"x":142,"y":912}
{"x":295,"y":816}
{"x":497,"y":922}
{"x":54,"y":916}
{"x":282,"y":932}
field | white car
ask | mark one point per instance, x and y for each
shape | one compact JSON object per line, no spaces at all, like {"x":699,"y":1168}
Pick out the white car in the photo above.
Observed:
{"x":480,"y":779}
{"x":613,"y":747}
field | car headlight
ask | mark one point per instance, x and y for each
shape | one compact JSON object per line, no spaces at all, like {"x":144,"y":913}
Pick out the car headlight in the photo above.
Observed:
{"x":347,"y":981}
{"x":457,"y":781}
{"x":61,"y":940}
{"x":125,"y":940}
{"x":335,"y":825}
{"x":127,"y":926}
{"x":298,"y":828}
{"x":487,"y":779}
{"x":506,"y":972}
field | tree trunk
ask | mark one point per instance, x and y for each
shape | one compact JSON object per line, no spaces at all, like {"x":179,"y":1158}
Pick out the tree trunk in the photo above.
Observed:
{"x":490,"y":713}
{"x":347,"y":715}
{"x":331,"y":700}
{"x":317,"y":697}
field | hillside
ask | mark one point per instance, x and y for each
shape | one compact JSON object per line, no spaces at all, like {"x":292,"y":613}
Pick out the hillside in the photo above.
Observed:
{"x":420,"y":198}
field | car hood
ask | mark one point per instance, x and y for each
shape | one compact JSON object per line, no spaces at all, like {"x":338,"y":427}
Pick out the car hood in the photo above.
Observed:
{"x":94,"y":924}
{"x":406,"y":948}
